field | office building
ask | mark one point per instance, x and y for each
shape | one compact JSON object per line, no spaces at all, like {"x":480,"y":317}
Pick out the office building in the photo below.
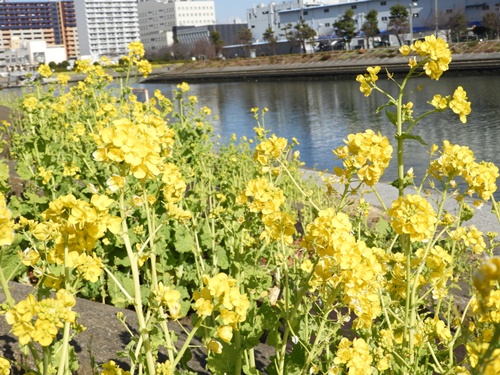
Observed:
{"x":51,"y":21}
{"x":106,"y":27}
{"x":157,"y":19}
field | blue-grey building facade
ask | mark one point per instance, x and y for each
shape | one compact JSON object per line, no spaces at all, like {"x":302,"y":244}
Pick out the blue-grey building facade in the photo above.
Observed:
{"x":428,"y":16}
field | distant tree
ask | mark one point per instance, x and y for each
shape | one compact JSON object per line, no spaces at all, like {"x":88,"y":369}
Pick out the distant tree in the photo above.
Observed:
{"x":304,"y":34}
{"x":52,"y":65}
{"x":216,"y":41}
{"x":492,"y":25}
{"x":457,"y":24}
{"x":270,"y":39}
{"x":370,"y":26}
{"x":291,"y":37}
{"x":203,"y":49}
{"x":345,"y":27}
{"x":63,"y":65}
{"x":177,"y":51}
{"x":398,"y":21}
{"x":245,"y":37}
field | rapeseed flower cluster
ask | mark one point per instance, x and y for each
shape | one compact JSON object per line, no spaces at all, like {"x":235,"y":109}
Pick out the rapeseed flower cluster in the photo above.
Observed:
{"x":434,"y":55}
{"x":77,"y":225}
{"x":457,"y":103}
{"x":478,"y":350}
{"x":111,"y":368}
{"x":459,"y":161}
{"x":413,"y":215}
{"x":261,"y":196}
{"x":4,"y":366}
{"x":355,"y":355}
{"x":95,"y":75}
{"x":174,"y":188}
{"x":6,"y":224}
{"x":367,"y":81}
{"x":346,"y":263}
{"x":270,"y":149}
{"x":366,"y":154}
{"x":135,"y":58}
{"x":44,"y":70}
{"x":141,"y":147}
{"x":486,"y":276}
{"x":166,"y":297}
{"x":40,"y":320}
{"x":438,"y":270}
{"x":471,"y":237}
{"x":221,"y":294}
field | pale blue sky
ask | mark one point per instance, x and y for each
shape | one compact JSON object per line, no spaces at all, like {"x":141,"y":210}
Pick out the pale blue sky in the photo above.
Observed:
{"x":225,"y":10}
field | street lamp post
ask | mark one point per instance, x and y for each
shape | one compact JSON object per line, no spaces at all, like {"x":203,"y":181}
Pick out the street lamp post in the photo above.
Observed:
{"x":437,"y":17}
{"x":412,"y":4}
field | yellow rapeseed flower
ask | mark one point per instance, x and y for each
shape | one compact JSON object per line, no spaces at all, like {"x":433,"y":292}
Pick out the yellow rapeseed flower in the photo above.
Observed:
{"x":45,"y":71}
{"x":366,"y":154}
{"x":4,"y":366}
{"x":413,"y":215}
{"x":6,"y":224}
{"x":460,"y":105}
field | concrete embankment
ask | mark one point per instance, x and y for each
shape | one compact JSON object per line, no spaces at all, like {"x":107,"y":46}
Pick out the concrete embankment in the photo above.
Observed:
{"x":277,"y":68}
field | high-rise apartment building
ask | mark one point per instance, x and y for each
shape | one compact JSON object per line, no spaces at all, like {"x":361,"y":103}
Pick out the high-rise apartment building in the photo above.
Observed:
{"x":51,"y":21}
{"x":106,"y":27}
{"x":157,"y":19}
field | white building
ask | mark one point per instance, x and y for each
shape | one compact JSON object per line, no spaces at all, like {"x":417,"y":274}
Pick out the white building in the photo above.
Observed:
{"x":321,"y":17}
{"x":157,"y":18}
{"x":28,"y":54}
{"x":106,"y":27}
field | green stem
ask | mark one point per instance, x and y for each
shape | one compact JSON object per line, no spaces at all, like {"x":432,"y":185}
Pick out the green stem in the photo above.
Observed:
{"x":188,"y":340}
{"x":143,"y":331}
{"x":5,"y":288}
{"x":238,"y":360}
{"x":63,"y":362}
{"x":298,"y":187}
{"x":381,"y":201}
{"x":46,"y":357}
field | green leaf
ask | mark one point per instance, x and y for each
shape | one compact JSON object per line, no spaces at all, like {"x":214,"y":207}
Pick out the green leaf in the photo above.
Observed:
{"x":184,"y":240}
{"x":34,"y":199}
{"x":9,"y":260}
{"x":467,"y":213}
{"x":379,"y":109}
{"x":24,"y":172}
{"x":407,"y":181}
{"x":417,"y":138}
{"x":118,"y":299}
{"x":4,"y":176}
{"x":383,"y":227}
{"x":222,"y":259}
{"x":392,"y":116}
{"x":223,"y":363}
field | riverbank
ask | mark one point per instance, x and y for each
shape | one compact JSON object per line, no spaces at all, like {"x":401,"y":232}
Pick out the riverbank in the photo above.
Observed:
{"x":483,"y":57}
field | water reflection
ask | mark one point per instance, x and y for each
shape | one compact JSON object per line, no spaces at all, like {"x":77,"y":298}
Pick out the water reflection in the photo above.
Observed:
{"x":320,"y":114}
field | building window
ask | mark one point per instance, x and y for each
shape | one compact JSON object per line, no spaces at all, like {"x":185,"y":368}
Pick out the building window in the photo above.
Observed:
{"x":415,"y":15}
{"x":486,"y":7}
{"x":354,"y":6}
{"x":327,"y":24}
{"x":326,"y":10}
{"x":449,"y":11}
{"x":382,"y":3}
{"x":306,"y":12}
{"x":384,"y":19}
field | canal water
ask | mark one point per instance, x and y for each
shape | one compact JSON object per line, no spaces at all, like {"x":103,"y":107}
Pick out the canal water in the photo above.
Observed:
{"x":321,"y":113}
